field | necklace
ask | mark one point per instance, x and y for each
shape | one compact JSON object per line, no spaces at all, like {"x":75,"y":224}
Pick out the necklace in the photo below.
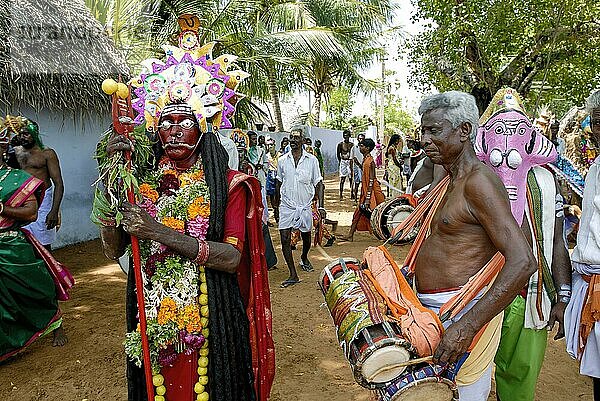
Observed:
{"x":8,"y":170}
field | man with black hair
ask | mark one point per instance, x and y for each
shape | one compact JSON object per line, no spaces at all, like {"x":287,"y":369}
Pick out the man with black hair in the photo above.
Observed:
{"x":370,"y":193}
{"x":298,"y":179}
{"x":344,"y":149}
{"x":356,"y":165}
{"x":41,"y":162}
{"x":223,"y":257}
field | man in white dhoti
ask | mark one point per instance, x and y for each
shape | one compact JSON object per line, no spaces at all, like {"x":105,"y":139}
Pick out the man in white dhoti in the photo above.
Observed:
{"x":582,"y":317}
{"x":298,"y":178}
{"x":344,"y":150}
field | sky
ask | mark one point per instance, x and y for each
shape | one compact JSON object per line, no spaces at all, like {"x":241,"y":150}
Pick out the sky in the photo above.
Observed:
{"x":299,"y":103}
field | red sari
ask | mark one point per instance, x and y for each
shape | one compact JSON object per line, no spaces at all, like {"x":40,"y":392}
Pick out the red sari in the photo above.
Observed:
{"x":243,"y":230}
{"x":254,"y":283}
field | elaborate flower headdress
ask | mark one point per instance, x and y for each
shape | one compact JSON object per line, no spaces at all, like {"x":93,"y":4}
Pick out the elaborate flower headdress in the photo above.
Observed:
{"x":14,"y":125}
{"x":191,"y":76}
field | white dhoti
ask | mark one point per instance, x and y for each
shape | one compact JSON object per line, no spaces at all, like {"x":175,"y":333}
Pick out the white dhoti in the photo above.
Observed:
{"x":344,"y":169}
{"x":299,"y":218}
{"x":474,"y":379}
{"x":38,"y":227}
{"x":356,"y":174}
{"x":590,"y":358}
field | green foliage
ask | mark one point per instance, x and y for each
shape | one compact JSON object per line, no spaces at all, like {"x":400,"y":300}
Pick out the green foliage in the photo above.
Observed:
{"x":480,"y":47}
{"x":338,"y":108}
{"x":396,"y":118}
{"x":115,"y":176}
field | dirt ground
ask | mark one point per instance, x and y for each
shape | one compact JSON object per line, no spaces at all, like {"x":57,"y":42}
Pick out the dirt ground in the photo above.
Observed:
{"x":310,"y":365}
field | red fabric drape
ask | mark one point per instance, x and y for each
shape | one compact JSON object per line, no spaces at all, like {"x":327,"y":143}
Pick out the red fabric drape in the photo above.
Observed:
{"x":254,"y":285}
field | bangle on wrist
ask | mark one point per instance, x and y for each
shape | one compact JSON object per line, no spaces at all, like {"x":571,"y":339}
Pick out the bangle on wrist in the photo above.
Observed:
{"x":1,"y":207}
{"x":203,"y":251}
{"x":564,"y":300}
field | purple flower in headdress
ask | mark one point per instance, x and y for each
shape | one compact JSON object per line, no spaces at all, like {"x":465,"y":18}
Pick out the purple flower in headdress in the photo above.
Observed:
{"x":148,"y":206}
{"x":198,"y":227}
{"x":167,"y":356}
{"x":168,"y":184}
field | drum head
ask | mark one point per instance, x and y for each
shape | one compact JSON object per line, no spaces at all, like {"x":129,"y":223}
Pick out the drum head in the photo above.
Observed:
{"x":396,"y":216}
{"x":349,"y":261}
{"x":382,"y":365}
{"x":426,"y":390}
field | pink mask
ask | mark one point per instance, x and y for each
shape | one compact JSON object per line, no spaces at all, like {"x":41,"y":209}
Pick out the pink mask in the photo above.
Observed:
{"x":510,"y":145}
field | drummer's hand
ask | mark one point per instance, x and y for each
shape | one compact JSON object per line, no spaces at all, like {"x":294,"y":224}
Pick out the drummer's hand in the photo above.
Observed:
{"x":137,"y":222}
{"x":455,"y":342}
{"x":557,"y":314}
{"x":118,"y":143}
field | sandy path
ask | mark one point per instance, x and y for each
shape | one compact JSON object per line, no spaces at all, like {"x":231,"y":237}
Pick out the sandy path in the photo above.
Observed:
{"x":310,"y":365}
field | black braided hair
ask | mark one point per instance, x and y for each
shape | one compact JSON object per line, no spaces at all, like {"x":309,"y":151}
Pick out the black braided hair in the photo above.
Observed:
{"x":230,"y":358}
{"x":214,"y":159}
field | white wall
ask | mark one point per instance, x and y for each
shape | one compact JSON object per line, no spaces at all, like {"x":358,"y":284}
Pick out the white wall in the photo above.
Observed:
{"x":75,"y":142}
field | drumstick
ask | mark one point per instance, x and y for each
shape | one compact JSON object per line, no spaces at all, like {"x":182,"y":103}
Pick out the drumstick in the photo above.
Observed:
{"x":415,"y":361}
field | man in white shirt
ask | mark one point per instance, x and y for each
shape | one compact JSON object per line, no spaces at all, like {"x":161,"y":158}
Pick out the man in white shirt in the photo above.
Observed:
{"x":298,"y":178}
{"x":582,"y":317}
{"x":356,"y":161}
{"x":231,"y":148}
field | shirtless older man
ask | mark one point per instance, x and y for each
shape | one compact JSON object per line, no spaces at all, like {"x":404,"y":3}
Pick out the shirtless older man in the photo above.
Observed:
{"x":41,"y":162}
{"x":473,"y":222}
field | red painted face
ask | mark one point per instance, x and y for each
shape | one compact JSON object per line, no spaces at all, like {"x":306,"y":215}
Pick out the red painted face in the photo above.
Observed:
{"x":179,"y":135}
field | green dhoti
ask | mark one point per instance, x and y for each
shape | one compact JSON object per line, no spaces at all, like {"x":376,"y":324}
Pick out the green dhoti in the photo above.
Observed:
{"x":520,"y":355}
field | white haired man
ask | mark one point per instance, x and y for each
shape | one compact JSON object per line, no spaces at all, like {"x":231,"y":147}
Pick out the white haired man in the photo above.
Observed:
{"x":473,"y":223}
{"x":582,"y":316}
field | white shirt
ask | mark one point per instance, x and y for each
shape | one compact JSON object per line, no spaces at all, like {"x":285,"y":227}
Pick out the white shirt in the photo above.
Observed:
{"x":355,"y":153}
{"x":231,"y":148}
{"x":587,"y":250}
{"x":297,"y":190}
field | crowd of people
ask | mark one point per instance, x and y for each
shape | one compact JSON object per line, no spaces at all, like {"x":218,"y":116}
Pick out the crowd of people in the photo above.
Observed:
{"x":491,"y":265}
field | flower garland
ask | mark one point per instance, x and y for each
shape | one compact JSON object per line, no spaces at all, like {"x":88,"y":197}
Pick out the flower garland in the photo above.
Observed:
{"x":175,"y":289}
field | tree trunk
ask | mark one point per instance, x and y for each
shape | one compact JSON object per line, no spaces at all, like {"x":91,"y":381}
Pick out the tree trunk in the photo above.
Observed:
{"x":274,"y":96}
{"x":483,"y":96}
{"x":316,"y":111}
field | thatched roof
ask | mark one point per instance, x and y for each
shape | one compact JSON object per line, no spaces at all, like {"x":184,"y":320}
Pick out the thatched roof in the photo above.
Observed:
{"x":54,"y":54}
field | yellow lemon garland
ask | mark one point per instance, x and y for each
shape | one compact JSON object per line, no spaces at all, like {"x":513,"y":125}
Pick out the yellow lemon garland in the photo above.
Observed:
{"x":200,"y":386}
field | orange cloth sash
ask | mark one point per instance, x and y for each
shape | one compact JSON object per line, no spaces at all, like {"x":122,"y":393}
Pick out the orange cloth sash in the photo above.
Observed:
{"x":407,"y":298}
{"x":590,"y":314}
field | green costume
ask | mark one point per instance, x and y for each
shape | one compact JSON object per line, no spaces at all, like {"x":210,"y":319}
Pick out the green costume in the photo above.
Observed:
{"x":521,"y":351}
{"x":520,"y":355}
{"x":28,"y":305}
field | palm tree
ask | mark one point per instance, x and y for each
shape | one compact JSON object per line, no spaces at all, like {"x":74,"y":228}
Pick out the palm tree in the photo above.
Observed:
{"x":127,"y":22}
{"x":275,"y":39}
{"x":359,"y":26}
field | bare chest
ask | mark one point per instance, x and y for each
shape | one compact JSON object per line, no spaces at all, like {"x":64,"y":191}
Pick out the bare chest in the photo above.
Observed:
{"x":453,"y":217}
{"x":29,"y":160}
